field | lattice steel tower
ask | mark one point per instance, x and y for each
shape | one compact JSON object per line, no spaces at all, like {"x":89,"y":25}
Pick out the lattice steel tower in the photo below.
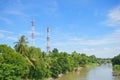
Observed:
{"x":48,"y":41}
{"x":32,"y":35}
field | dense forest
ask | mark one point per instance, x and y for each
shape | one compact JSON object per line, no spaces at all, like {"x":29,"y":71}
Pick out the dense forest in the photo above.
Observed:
{"x":29,"y":62}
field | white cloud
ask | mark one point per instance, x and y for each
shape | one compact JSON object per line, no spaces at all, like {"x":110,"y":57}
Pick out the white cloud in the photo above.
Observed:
{"x":113,"y":17}
{"x":59,"y":44}
{"x":12,"y":38}
{"x":12,"y":9}
{"x":6,"y":20}
{"x":111,"y":38}
{"x":8,"y":35}
{"x":16,"y":12}
{"x":102,"y":52}
{"x":87,"y":49}
{"x":5,"y":31}
{"x":108,"y":39}
{"x":102,"y":47}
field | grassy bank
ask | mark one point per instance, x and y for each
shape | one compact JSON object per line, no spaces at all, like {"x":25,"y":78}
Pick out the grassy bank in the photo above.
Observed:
{"x":116,"y":70}
{"x":91,"y":65}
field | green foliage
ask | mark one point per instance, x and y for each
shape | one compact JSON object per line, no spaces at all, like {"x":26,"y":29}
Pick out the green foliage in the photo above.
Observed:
{"x":21,"y":46}
{"x":84,"y":60}
{"x":7,"y":72}
{"x":32,"y":64}
{"x":116,"y":63}
{"x":1,"y":58}
{"x":116,"y":67}
{"x":13,"y":65}
{"x":76,"y":58}
{"x":92,"y":59}
{"x":55,"y":69}
{"x":40,"y":70}
{"x":34,"y":55}
{"x":116,"y":60}
{"x":80,"y":59}
{"x":54,"y":53}
{"x":63,"y":62}
{"x":6,"y":49}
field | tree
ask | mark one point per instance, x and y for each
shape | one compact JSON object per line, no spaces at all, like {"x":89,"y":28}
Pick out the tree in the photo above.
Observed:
{"x":55,"y":68}
{"x":76,"y":58}
{"x":92,"y":59}
{"x":6,"y":49}
{"x":116,"y":60}
{"x":40,"y":70}
{"x":54,"y":52}
{"x":21,"y":46}
{"x":13,"y":66}
{"x":84,"y":59}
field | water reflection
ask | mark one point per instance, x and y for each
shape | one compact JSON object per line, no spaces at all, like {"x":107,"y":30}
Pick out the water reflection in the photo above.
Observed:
{"x":103,"y":72}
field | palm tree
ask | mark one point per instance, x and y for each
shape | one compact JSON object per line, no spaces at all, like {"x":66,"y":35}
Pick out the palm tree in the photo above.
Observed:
{"x":21,"y":46}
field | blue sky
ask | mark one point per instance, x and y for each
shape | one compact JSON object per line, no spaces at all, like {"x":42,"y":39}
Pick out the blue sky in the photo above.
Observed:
{"x":85,"y":26}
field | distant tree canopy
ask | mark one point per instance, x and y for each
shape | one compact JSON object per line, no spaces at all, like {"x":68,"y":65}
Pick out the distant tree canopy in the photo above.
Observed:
{"x":116,"y":60}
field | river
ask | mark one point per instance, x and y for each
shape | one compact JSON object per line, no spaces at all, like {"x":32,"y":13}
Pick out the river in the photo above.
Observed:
{"x":102,"y":72}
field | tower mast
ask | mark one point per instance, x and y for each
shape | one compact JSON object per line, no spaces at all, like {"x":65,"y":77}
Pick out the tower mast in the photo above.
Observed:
{"x":48,"y":40}
{"x":32,"y":32}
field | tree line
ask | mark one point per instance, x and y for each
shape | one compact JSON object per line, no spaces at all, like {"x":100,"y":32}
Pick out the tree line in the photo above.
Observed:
{"x":24,"y":62}
{"x":116,"y":65}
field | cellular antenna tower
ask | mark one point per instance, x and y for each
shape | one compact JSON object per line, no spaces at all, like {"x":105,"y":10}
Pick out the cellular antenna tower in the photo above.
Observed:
{"x":48,"y":41}
{"x":32,"y":32}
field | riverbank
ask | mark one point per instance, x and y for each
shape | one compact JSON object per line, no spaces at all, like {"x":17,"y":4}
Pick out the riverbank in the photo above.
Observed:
{"x":76,"y":70}
{"x":100,"y":72}
{"x":116,"y":70}
{"x":92,"y":65}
